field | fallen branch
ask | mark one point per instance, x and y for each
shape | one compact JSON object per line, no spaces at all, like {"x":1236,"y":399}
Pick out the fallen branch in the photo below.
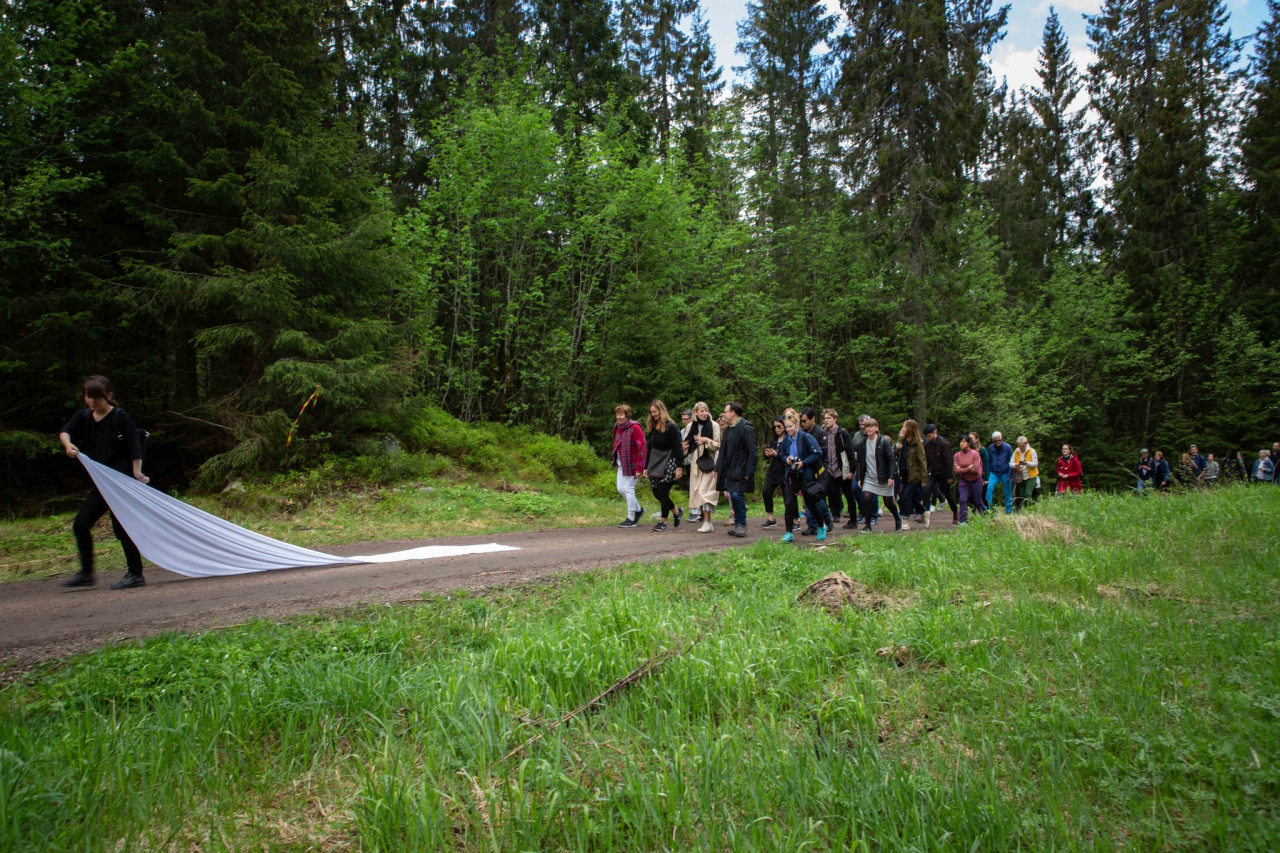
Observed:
{"x":618,"y":686}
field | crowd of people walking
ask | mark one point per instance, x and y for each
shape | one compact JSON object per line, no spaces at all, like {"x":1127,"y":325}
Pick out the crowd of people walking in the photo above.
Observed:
{"x":823,"y":472}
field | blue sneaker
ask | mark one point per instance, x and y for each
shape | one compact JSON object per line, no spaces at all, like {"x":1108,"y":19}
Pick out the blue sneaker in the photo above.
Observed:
{"x":822,"y":534}
{"x":787,"y":537}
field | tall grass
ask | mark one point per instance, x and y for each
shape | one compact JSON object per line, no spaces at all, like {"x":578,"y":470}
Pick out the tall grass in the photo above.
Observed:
{"x":1145,"y":715}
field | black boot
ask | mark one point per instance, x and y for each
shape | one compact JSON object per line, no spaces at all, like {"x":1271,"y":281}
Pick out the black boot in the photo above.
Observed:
{"x":130,"y":581}
{"x":80,"y":579}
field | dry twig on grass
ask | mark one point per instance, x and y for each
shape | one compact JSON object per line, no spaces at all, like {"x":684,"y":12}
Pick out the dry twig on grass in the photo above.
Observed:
{"x":680,"y":648}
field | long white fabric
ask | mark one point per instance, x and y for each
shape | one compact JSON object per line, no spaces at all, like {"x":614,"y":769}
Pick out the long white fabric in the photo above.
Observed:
{"x":178,"y":537}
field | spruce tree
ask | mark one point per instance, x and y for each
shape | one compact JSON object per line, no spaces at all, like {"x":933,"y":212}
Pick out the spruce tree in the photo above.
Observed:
{"x":783,"y":91}
{"x":1162,"y":86}
{"x":1060,"y":141}
{"x":1260,"y":171}
{"x":698,"y":87}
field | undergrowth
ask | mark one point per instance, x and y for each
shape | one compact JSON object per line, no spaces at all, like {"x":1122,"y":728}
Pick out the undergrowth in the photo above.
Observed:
{"x":1112,"y":683}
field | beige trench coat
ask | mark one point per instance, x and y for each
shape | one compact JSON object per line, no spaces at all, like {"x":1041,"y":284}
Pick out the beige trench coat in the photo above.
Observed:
{"x":702,"y":484}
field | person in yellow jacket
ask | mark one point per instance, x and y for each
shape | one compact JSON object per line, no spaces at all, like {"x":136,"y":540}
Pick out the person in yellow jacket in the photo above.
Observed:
{"x":1027,"y":465}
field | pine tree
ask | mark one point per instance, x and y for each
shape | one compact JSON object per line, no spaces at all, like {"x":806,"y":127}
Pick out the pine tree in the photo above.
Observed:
{"x":1260,"y":170}
{"x":783,"y":92}
{"x":578,"y":47}
{"x":1162,"y":87}
{"x":914,"y":99}
{"x":657,"y":52}
{"x":698,"y":87}
{"x":1061,"y":144}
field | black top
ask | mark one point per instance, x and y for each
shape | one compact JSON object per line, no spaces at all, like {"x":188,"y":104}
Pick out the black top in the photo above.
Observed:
{"x":777,"y":468}
{"x":736,"y":465}
{"x":112,"y":441}
{"x":667,"y":439}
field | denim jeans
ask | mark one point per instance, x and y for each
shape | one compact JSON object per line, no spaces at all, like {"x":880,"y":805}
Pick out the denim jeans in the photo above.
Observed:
{"x":1006,"y":481}
{"x":738,"y":501}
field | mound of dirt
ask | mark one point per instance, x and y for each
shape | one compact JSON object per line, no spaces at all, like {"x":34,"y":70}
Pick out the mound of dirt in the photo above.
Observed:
{"x":838,"y":591}
{"x":1047,"y":531}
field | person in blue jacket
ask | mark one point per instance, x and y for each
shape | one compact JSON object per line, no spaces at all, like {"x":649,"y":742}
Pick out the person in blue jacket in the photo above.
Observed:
{"x":803,"y":457}
{"x":1000,"y":452}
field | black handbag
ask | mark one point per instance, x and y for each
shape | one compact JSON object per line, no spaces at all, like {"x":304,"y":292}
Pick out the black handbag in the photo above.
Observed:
{"x":817,"y":488}
{"x":706,"y":463}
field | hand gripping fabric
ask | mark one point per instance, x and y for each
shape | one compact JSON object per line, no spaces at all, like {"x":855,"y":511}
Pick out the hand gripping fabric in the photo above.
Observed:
{"x":178,"y":537}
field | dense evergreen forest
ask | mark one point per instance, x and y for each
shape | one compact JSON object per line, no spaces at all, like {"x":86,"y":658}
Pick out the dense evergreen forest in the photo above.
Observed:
{"x":529,"y":210}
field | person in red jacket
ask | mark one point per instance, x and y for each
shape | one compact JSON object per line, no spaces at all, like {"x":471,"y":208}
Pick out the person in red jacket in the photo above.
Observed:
{"x":629,"y":459}
{"x":1069,"y":471}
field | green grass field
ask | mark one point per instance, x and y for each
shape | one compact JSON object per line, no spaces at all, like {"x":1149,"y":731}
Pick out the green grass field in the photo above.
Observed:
{"x":1107,"y":677}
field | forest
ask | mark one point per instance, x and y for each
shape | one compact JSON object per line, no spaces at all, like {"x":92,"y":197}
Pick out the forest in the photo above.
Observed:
{"x":527,"y":211}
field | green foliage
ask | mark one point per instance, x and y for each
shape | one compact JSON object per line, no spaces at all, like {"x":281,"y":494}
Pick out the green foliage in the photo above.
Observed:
{"x":1053,"y":695}
{"x":528,"y":213}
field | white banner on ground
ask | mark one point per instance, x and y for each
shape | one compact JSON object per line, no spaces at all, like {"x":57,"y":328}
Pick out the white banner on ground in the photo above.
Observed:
{"x":178,"y":537}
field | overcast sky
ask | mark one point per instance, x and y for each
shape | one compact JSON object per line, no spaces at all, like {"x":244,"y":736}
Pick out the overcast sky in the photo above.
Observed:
{"x":1014,"y":57}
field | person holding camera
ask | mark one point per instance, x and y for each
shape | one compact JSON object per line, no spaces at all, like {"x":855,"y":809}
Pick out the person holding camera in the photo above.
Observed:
{"x":803,"y":460}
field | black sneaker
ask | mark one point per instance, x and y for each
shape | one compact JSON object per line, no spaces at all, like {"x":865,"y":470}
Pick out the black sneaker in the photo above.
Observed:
{"x":679,"y":514}
{"x":640,"y":514}
{"x":851,"y":524}
{"x":129,"y":581}
{"x":659,"y":527}
{"x":80,"y":579}
{"x":809,"y":531}
{"x":770,"y":522}
{"x":630,"y":522}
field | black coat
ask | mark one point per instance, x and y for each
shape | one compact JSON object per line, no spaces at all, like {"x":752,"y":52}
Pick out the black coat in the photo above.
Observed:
{"x":777,"y":471}
{"x":736,"y":465}
{"x":939,"y":458}
{"x":886,"y":461}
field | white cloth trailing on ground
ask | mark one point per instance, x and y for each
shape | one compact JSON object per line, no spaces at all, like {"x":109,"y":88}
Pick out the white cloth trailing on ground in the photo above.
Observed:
{"x":178,"y":537}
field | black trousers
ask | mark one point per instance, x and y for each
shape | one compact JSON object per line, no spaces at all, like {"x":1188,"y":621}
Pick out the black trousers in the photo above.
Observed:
{"x":938,"y":486}
{"x":913,"y":499}
{"x":662,"y":491}
{"x":91,"y":510}
{"x":816,"y":507}
{"x":840,"y":493}
{"x":770,"y":488}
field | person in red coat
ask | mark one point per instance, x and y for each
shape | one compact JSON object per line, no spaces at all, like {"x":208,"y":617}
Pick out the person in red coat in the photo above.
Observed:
{"x":1069,"y":471}
{"x":629,"y":460}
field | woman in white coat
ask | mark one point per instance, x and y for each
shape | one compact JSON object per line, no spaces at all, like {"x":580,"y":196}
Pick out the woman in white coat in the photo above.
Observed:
{"x":703,"y":444}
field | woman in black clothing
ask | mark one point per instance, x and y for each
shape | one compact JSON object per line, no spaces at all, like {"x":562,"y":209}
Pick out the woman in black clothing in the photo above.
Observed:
{"x":775,"y":477}
{"x":107,"y":435}
{"x":662,"y":468}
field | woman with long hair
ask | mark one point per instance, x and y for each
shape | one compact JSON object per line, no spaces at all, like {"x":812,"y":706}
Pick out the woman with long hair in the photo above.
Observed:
{"x":662,"y":468}
{"x":917,"y":471}
{"x":1233,"y":468}
{"x":106,"y":434}
{"x":776,"y":475}
{"x":703,"y":445}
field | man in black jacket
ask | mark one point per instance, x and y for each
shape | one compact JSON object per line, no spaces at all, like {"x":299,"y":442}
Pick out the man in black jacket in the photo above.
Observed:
{"x":939,"y":459}
{"x":736,"y":465}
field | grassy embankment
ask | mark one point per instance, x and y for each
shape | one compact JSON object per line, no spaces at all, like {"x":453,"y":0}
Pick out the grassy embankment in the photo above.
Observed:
{"x":463,"y":479}
{"x":1121,"y":690}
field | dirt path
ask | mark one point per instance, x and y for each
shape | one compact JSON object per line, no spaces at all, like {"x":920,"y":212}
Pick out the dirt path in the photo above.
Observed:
{"x":40,"y":620}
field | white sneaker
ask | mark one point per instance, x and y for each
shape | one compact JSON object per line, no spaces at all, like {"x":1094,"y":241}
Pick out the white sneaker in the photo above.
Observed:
{"x":707,"y":527}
